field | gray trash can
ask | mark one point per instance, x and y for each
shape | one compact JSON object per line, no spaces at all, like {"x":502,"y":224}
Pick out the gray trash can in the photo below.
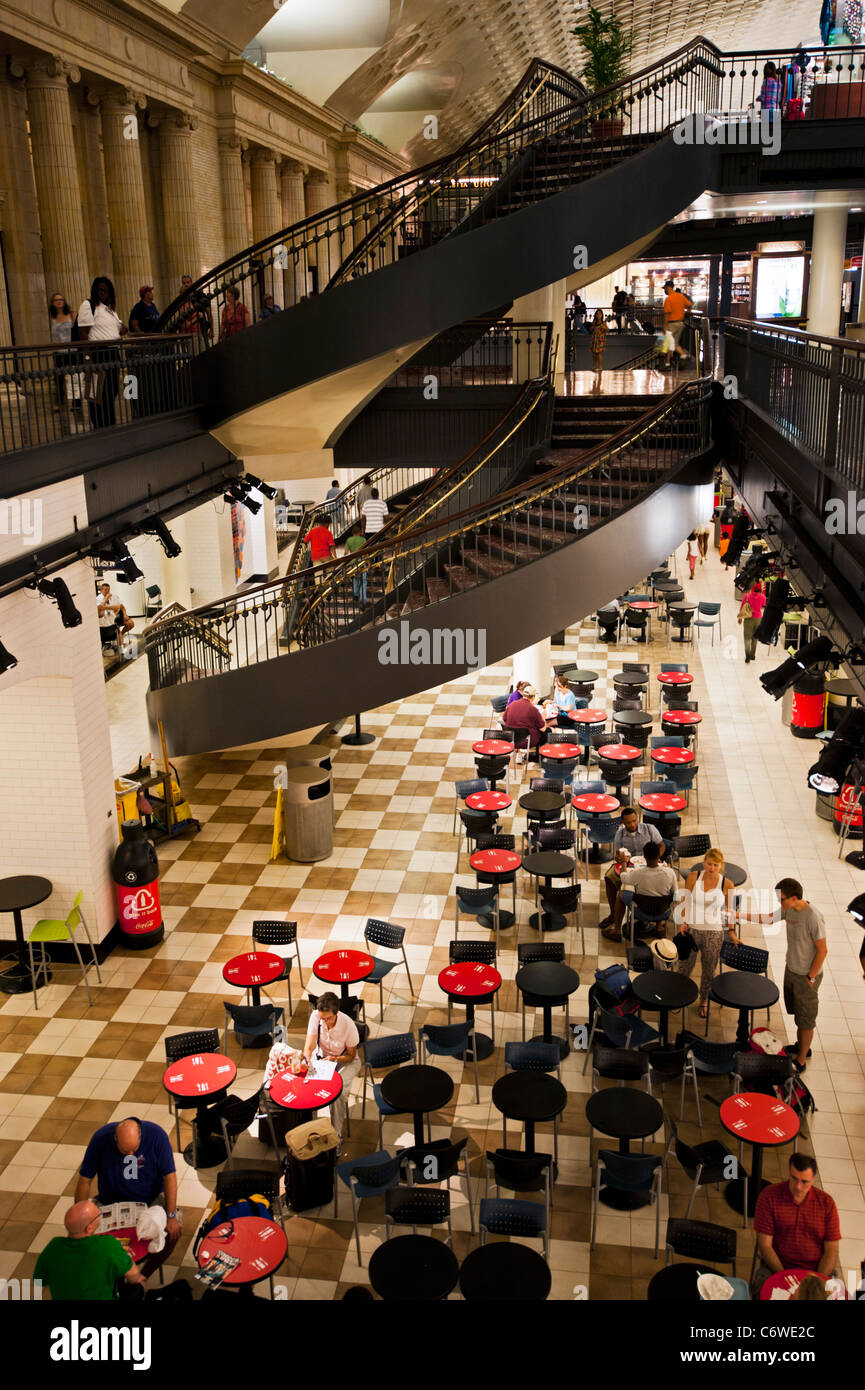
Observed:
{"x":311,"y":755}
{"x":308,"y":814}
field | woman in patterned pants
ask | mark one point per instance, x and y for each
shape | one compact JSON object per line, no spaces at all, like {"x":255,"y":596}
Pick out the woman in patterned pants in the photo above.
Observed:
{"x":708,"y":898}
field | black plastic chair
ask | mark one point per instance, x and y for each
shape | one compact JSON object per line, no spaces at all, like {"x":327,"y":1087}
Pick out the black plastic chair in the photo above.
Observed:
{"x":621,"y":1064}
{"x":689,"y":846}
{"x":628,"y":1173}
{"x":639,"y":959}
{"x":482,"y":952}
{"x":391,"y":938}
{"x":439,"y":1161}
{"x":564,"y":900}
{"x":473,"y":824}
{"x":417,"y":1206}
{"x":709,"y":1162}
{"x":472,"y":902}
{"x":701,"y":1240}
{"x":177,"y":1047}
{"x":256,"y":1021}
{"x":675,"y":1064}
{"x":280,"y":934}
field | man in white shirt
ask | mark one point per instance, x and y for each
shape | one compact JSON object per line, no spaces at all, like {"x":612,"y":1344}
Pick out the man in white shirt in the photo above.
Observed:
{"x":656,"y":880}
{"x":105,"y":605}
{"x":335,"y":1036}
{"x":374,"y":512}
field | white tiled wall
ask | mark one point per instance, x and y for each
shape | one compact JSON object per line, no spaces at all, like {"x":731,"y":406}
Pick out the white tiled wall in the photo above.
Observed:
{"x":57,"y":815}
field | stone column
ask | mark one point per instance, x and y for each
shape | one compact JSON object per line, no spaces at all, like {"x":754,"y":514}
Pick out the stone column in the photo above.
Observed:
{"x":64,"y":251}
{"x":293,"y":211}
{"x":94,"y":198}
{"x":827,"y":265}
{"x":179,"y":206}
{"x":124,"y":182}
{"x":319,"y":197}
{"x":22,"y":243}
{"x":234,"y":221}
{"x":267,"y":219}
{"x":535,"y":664}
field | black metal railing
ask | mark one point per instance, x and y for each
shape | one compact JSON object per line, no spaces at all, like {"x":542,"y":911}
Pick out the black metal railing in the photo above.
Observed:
{"x":812,"y":387}
{"x":433,"y":562}
{"x":52,"y":393}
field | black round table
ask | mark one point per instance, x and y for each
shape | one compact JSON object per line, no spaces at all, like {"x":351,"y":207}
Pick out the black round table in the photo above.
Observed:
{"x":632,"y":718}
{"x":17,"y":894}
{"x":575,"y":676}
{"x":734,"y":872}
{"x":550,"y":982}
{"x":548,"y":864}
{"x":662,"y":991}
{"x":626,"y":1114}
{"x":632,"y":678}
{"x":413,"y":1267}
{"x":543,"y":804}
{"x":742,"y":990}
{"x":416,"y":1091}
{"x":530,"y":1096}
{"x":677,"y":1284}
{"x":505,"y":1271}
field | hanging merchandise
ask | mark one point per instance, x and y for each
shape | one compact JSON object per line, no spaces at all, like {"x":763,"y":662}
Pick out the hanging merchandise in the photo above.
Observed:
{"x":827,"y":15}
{"x":853,"y":20}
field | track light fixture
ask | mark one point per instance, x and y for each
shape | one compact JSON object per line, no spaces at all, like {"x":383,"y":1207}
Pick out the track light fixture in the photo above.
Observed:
{"x":126,"y":568}
{"x":58,"y":591}
{"x":754,"y":569}
{"x":741,"y":531}
{"x":264,"y":488}
{"x":7,"y":660}
{"x":812,"y":654}
{"x":157,"y":527}
{"x":239,"y":492}
{"x":773,"y":614}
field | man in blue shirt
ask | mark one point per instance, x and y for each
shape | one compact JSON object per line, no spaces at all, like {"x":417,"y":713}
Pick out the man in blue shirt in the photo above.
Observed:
{"x":132,"y":1162}
{"x":144,"y":316}
{"x":630,"y":839}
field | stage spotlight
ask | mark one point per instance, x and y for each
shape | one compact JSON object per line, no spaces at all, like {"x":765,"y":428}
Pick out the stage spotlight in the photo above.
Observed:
{"x":773,"y":613}
{"x":58,"y":591}
{"x":740,"y":534}
{"x":756,"y":568}
{"x":264,"y":488}
{"x":7,"y":660}
{"x":812,"y":654}
{"x":829,"y":772}
{"x":158,"y":528}
{"x":238,"y":491}
{"x":127,"y":570}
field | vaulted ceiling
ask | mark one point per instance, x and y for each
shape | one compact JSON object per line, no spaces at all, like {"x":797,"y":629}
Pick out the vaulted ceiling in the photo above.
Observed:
{"x":386,"y":63}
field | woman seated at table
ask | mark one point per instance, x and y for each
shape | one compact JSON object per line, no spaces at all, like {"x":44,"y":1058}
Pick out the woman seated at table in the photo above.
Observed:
{"x":702,"y":910}
{"x":517,"y":692}
{"x":566,"y":703}
{"x":524,"y":714}
{"x":336,"y":1038}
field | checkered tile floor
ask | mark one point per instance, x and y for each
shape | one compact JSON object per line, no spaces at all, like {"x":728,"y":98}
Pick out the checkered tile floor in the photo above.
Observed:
{"x":67,"y":1069}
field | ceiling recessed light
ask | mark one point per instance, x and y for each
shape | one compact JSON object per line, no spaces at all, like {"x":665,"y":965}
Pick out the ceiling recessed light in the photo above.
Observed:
{"x":855,"y":209}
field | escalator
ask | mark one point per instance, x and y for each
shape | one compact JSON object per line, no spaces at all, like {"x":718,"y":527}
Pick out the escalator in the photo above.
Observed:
{"x":532,"y":199}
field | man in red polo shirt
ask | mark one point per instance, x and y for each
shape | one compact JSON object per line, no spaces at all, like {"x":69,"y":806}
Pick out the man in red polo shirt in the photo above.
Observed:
{"x":320,"y":540}
{"x":524,"y":714}
{"x":796,"y":1225}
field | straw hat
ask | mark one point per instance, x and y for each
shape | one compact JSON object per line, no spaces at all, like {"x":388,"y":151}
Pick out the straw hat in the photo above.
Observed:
{"x":664,"y":950}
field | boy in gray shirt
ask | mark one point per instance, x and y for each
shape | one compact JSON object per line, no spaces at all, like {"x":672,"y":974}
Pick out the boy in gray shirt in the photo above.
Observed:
{"x":803,"y":968}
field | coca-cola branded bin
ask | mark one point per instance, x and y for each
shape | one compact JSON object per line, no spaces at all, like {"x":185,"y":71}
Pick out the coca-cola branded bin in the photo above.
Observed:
{"x":135,"y":871}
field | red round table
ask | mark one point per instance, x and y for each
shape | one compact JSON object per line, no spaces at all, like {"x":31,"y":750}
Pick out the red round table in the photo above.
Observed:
{"x":560,"y":750}
{"x":203,"y":1077}
{"x":681,"y":716}
{"x":644,"y":605}
{"x":496,"y":866}
{"x":666,"y":803}
{"x":782,"y":1278}
{"x":492,"y":747}
{"x":472,"y":983}
{"x":763,"y":1122}
{"x":488,"y":801}
{"x":595,"y":803}
{"x":672,"y":755}
{"x":297,"y":1093}
{"x":343,"y":968}
{"x":589,"y":716}
{"x":675,"y":677}
{"x":620,"y":752}
{"x":259,"y":1244}
{"x":253,"y":970}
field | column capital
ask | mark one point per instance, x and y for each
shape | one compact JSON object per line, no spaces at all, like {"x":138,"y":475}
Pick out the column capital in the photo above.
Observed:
{"x":125,"y":99}
{"x":183,"y":121}
{"x":316,"y":176}
{"x":344,"y":191}
{"x":262,"y":154}
{"x":231,"y":142}
{"x":294,"y":167}
{"x":44,"y":69}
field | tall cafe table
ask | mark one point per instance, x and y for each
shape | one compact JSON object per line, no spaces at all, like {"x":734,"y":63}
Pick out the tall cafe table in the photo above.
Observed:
{"x":626,"y":1114}
{"x":299,"y":1093}
{"x":493,"y":748}
{"x":763,"y":1122}
{"x":747,"y":992}
{"x":488,"y":801}
{"x":583,"y":679}
{"x":549,"y":864}
{"x":561,"y":752}
{"x":626,"y":719}
{"x":417,"y":1268}
{"x":343,"y":968}
{"x":548,"y":982}
{"x":417,"y":1091}
{"x":596,"y":804}
{"x":17,"y":894}
{"x":497,"y":866}
{"x":632,"y":681}
{"x":682,"y":718}
{"x":661,"y":991}
{"x":589,"y":717}
{"x":649,"y":607}
{"x":471,"y":983}
{"x":505,"y":1271}
{"x":252,"y":970}
{"x":201,"y":1079}
{"x":666,"y":806}
{"x":672,"y":757}
{"x":260,"y":1245}
{"x":533,"y":1097}
{"x":675,"y":678}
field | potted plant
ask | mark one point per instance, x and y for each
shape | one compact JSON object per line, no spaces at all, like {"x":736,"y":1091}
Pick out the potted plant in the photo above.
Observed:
{"x":608,"y":48}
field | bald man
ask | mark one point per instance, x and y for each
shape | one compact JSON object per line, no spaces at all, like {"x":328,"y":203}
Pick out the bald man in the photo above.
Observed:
{"x":82,"y":1265}
{"x":132,"y":1162}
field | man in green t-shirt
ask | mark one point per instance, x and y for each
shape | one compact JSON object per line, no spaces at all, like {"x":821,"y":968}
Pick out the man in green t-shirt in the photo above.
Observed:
{"x":82,"y":1265}
{"x":353,"y":544}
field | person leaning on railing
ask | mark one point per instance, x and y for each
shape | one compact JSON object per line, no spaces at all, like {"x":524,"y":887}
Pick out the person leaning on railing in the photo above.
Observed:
{"x":62,"y":321}
{"x":99,"y":322}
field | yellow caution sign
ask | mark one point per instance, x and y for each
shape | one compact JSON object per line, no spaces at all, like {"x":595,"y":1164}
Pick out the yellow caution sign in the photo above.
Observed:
{"x":278,"y":845}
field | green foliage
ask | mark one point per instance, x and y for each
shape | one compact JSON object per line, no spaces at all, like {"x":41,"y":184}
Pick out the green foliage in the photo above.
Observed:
{"x":608,"y":48}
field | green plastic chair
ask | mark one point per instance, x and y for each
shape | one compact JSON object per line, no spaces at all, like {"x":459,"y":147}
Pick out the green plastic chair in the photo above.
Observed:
{"x":54,"y":929}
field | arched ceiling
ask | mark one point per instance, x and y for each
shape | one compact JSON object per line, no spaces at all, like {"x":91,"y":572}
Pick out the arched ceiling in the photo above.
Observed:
{"x":384,"y":64}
